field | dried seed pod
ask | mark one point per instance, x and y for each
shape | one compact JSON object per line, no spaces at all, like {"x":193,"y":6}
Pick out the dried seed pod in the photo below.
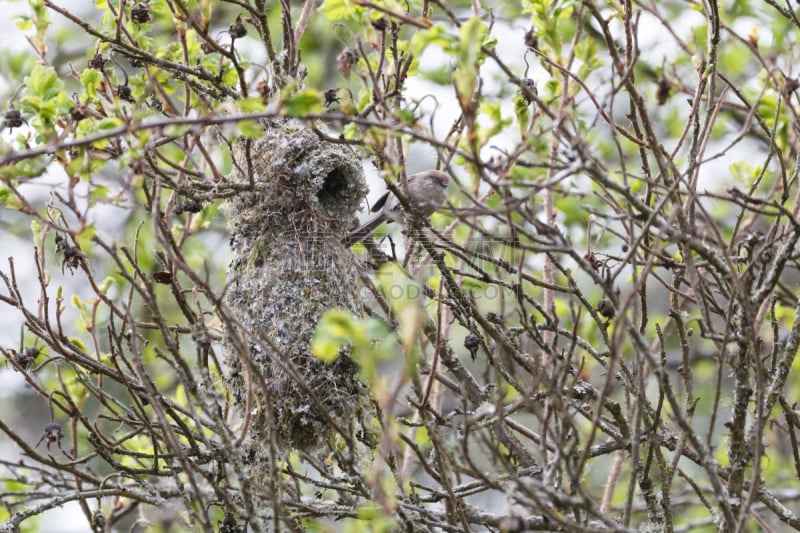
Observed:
{"x":140,"y":12}
{"x":663,"y":90}
{"x":529,"y":90}
{"x":237,"y":29}
{"x":331,"y":97}
{"x":52,"y":435}
{"x":606,"y":308}
{"x":27,"y":357}
{"x":12,"y":119}
{"x":229,"y":525}
{"x":73,"y":256}
{"x":346,"y":60}
{"x":380,"y":24}
{"x":531,"y":40}
{"x":791,"y":85}
{"x":98,"y":520}
{"x":124,"y":93}
{"x":472,"y":342}
{"x":97,"y":62}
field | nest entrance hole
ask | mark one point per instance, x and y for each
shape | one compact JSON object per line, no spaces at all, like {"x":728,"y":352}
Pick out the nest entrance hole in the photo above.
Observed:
{"x":333,"y":188}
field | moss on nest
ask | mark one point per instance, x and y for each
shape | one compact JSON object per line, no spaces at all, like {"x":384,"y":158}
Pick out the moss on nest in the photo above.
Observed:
{"x":288,"y":269}
{"x":298,"y":180}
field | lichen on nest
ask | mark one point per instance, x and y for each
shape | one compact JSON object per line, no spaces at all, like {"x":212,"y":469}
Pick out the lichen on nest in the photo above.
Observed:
{"x":288,"y":268}
{"x":300,"y":176}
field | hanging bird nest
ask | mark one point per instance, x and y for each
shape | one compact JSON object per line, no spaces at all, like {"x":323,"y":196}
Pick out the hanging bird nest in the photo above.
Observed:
{"x":298,"y":196}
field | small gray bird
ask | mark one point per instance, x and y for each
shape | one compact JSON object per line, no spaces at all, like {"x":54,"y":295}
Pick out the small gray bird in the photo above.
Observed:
{"x":426,"y":193}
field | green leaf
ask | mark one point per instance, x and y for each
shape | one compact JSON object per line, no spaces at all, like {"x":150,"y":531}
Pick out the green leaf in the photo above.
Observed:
{"x":496,"y":123}
{"x":553,"y":22}
{"x":572,"y":208}
{"x":75,"y":388}
{"x":522,"y":111}
{"x":176,"y":130}
{"x":338,"y":9}
{"x":24,"y":23}
{"x":43,"y":82}
{"x":250,"y":129}
{"x":366,"y":337}
{"x":302,"y":103}
{"x":335,"y":330}
{"x":37,"y":229}
{"x":91,"y":80}
{"x":99,"y":192}
{"x":230,"y":77}
{"x":85,"y":238}
{"x":44,"y":99}
{"x":470,"y":40}
{"x":252,"y":104}
{"x":78,"y":343}
{"x":105,"y":285}
{"x":440,"y":76}
{"x":108,"y":123}
{"x":586,"y":51}
{"x":465,"y":78}
{"x":368,"y":511}
{"x":744,"y":172}
{"x":434,"y":35}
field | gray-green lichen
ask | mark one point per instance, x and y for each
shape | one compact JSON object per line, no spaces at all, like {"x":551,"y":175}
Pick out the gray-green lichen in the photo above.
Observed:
{"x":288,"y":268}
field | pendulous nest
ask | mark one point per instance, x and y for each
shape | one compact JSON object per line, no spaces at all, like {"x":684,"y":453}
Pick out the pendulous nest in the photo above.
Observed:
{"x":288,"y":269}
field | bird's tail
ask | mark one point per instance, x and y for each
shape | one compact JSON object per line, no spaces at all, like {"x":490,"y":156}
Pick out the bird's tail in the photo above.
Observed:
{"x":361,"y":232}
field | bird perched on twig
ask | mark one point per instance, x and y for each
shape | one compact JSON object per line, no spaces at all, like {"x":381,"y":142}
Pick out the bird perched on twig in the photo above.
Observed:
{"x":426,"y":193}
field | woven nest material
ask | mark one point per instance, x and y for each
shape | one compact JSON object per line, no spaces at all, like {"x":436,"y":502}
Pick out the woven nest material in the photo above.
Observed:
{"x":288,"y":269}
